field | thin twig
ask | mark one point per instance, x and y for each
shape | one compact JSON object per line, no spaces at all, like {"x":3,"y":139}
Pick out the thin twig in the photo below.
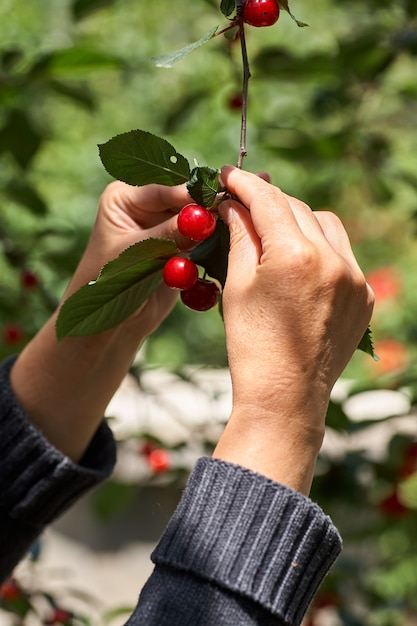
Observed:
{"x":246,"y":77}
{"x":226,"y":30}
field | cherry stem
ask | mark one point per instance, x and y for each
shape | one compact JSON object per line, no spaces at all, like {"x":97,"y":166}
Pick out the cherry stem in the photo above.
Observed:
{"x":246,"y":76}
{"x":226,"y":30}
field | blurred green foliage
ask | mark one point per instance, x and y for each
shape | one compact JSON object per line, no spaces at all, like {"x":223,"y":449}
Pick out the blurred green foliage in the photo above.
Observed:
{"x":332,"y":118}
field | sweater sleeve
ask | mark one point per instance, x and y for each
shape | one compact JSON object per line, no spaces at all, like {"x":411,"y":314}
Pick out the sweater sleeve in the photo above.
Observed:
{"x":37,"y":482}
{"x":240,"y":549}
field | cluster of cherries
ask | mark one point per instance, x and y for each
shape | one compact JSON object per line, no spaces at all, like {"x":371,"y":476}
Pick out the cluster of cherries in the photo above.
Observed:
{"x":260,"y":13}
{"x":199,"y":294}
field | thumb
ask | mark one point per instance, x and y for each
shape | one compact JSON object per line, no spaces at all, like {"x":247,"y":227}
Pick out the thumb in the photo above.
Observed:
{"x":245,"y":245}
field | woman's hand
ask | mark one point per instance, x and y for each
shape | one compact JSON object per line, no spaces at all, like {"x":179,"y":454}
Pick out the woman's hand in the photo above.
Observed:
{"x":65,"y":387}
{"x":296,"y":305}
{"x":125,"y":216}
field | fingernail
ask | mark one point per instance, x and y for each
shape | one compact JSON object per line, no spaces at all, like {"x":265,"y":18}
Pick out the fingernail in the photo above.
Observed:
{"x":227,"y":168}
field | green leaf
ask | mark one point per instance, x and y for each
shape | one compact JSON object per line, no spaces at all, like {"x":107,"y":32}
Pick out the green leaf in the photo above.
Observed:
{"x":102,"y":305}
{"x":284,"y":5}
{"x":140,"y":252}
{"x":366,"y":344}
{"x":231,"y":33}
{"x":122,"y":287}
{"x":140,"y":158}
{"x":228,"y":7}
{"x":336,"y":418}
{"x":203,"y":185}
{"x":170,"y":59}
{"x":213,"y":253}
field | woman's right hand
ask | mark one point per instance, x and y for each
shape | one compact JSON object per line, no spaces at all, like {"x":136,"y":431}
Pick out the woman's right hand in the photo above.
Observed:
{"x":296,"y":305}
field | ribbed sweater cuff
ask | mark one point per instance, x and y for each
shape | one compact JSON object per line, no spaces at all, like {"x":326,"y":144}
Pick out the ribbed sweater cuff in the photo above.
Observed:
{"x":251,"y":536}
{"x":37,"y":482}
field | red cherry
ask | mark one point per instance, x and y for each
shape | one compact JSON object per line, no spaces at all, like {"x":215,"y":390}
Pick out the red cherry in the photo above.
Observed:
{"x":29,"y":280}
{"x":260,"y":13}
{"x":235,"y":102}
{"x":59,"y":616}
{"x":202,"y":297}
{"x":159,"y":460}
{"x":196,"y":222}
{"x":180,"y":273}
{"x":385,"y":283}
{"x":10,"y":591}
{"x":326,"y":599}
{"x":12,"y":334}
{"x":393,"y":356}
{"x":146,"y":448}
{"x":391,"y":506}
{"x":409,"y":464}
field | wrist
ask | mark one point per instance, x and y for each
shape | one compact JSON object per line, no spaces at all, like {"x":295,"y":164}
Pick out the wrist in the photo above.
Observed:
{"x":64,"y":388}
{"x":272,"y":444}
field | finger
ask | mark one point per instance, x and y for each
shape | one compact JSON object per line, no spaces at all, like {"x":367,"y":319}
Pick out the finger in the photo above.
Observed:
{"x":147,"y":205}
{"x":245,"y":245}
{"x":271,"y":212}
{"x":306,"y":219}
{"x":168,"y":229}
{"x":334,"y":232}
{"x":337,"y":237}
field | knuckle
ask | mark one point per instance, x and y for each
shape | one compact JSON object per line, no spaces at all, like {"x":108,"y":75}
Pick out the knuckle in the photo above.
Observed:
{"x":302,"y":257}
{"x":268,"y":195}
{"x":329,"y":217}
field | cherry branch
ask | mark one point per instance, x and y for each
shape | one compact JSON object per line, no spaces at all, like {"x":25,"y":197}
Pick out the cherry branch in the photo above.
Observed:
{"x":246,"y":77}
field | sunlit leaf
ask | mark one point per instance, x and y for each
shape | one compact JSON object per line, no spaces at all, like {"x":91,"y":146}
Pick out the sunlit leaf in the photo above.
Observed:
{"x":102,"y":305}
{"x":171,"y":58}
{"x":366,"y":344}
{"x":284,"y":5}
{"x":140,"y":252}
{"x":140,"y":158}
{"x":122,"y":287}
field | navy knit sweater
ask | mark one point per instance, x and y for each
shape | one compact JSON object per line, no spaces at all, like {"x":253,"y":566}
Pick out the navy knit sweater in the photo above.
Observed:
{"x":240,"y":549}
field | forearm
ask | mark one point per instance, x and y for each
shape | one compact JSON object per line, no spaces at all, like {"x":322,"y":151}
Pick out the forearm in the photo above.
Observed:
{"x":65,"y":387}
{"x":273,"y":441}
